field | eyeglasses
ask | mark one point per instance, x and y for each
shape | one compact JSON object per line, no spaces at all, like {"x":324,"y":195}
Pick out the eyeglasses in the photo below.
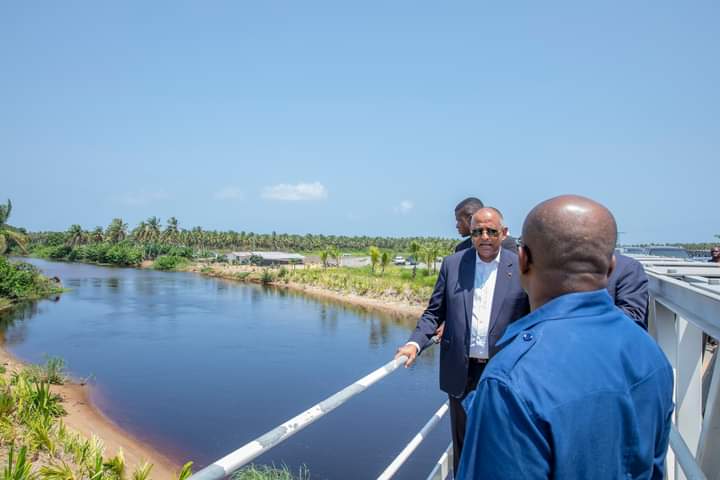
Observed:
{"x":491,"y":232}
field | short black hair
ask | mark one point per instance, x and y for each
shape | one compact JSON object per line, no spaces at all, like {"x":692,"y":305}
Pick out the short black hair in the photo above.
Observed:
{"x":469,"y":206}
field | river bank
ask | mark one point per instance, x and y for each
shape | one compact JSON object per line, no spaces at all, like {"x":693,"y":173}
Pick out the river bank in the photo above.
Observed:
{"x":389,"y":301}
{"x":84,"y":418}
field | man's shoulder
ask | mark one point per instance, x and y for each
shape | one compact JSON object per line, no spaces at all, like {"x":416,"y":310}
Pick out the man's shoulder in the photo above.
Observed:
{"x":624,"y":260}
{"x":543,"y":351}
{"x":464,"y":245}
{"x":625,"y":266}
{"x":508,"y":255}
{"x":457,"y":257}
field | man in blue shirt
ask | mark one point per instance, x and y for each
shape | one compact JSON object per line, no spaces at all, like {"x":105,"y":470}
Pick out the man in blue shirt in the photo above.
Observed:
{"x":578,"y":391}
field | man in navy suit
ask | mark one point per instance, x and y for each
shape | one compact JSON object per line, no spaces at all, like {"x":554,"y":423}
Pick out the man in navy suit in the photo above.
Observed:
{"x":477,"y":294}
{"x":628,"y":287}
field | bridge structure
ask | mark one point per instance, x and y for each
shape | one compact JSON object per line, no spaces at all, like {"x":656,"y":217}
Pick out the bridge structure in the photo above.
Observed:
{"x":684,"y":311}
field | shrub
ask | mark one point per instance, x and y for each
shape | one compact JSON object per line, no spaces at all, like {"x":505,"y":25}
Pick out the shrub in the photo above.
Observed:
{"x":124,"y":254}
{"x":267,"y":277}
{"x":169,"y":262}
{"x":22,"y":281}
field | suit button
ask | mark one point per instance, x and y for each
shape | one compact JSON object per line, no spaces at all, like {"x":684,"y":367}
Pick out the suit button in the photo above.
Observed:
{"x":527,"y":336}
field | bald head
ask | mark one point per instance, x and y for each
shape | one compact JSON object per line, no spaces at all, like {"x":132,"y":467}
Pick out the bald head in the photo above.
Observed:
{"x":569,"y":242}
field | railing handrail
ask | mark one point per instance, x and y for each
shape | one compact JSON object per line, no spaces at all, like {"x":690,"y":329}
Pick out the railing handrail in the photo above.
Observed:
{"x":233,"y":461}
{"x":684,"y":457}
{"x":414,"y":443}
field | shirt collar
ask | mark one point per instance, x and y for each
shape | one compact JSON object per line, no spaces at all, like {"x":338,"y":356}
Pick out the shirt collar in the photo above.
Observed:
{"x":479,"y":261}
{"x":565,"y":306}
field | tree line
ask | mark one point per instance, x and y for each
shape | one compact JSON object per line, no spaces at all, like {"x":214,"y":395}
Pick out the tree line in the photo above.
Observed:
{"x":152,"y":231}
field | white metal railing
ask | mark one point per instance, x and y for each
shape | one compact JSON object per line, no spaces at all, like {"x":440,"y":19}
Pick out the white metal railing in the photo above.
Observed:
{"x":410,"y":447}
{"x":245,"y":454}
{"x":684,"y":310}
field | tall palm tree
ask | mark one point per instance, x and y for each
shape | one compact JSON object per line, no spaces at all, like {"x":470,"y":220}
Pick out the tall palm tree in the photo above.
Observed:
{"x":415,"y":252}
{"x":171,"y":230}
{"x":97,"y":235}
{"x":116,"y":231}
{"x":140,"y":232}
{"x":384,"y":261}
{"x":75,"y":236}
{"x":374,"y":257}
{"x":153,"y":229}
{"x":8,"y":233}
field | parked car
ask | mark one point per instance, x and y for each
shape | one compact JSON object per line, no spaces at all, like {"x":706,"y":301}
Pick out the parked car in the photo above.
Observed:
{"x":674,"y":252}
{"x":399,"y":260}
{"x":410,"y":261}
{"x":633,"y":250}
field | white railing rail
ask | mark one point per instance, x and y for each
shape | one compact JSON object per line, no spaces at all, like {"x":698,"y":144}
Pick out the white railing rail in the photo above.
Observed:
{"x":230,"y":463}
{"x":684,"y":310}
{"x":414,"y":443}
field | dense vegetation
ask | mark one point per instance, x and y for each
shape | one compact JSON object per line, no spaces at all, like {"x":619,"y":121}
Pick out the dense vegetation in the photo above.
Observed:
{"x":18,"y":281}
{"x":22,"y":281}
{"x":150,"y":236}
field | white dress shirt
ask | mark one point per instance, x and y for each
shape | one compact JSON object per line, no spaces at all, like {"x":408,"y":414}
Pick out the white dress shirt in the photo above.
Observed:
{"x":485,"y":276}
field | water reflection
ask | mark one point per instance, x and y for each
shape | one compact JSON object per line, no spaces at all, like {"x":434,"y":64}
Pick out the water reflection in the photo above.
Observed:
{"x":232,"y":361}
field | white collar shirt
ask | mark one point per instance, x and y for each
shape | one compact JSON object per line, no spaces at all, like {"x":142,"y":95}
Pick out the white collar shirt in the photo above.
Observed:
{"x":483,"y":291}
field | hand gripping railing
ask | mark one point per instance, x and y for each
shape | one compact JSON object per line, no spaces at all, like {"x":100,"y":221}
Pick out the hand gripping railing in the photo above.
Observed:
{"x":245,"y":454}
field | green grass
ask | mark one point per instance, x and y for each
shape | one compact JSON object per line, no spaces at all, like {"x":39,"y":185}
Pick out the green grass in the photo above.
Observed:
{"x":265,"y":472}
{"x":395,"y":282}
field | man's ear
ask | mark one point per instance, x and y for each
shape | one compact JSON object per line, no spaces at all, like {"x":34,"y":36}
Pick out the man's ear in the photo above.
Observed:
{"x":612,"y":266}
{"x":523,"y":260}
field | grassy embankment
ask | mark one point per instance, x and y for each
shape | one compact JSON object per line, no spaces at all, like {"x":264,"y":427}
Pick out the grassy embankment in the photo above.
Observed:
{"x":395,"y":283}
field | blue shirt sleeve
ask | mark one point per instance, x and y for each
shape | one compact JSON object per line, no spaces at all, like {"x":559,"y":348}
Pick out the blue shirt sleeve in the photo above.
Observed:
{"x":502,"y":439}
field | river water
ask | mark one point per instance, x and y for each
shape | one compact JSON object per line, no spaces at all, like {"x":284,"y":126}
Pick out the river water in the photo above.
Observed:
{"x":198,"y":367}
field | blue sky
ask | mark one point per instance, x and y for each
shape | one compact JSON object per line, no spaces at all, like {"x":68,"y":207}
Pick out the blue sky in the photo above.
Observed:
{"x":359,"y":117}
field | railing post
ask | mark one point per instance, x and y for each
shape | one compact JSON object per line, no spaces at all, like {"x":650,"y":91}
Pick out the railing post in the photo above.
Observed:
{"x":689,"y":383}
{"x":663,"y":323}
{"x":709,"y":447}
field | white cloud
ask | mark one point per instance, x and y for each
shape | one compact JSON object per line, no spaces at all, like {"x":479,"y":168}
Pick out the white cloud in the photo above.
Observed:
{"x":228,"y":193}
{"x":404,"y":207}
{"x":294,"y":193}
{"x":142,"y":198}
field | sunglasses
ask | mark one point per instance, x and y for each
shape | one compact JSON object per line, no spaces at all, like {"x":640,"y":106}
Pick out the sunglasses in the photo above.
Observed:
{"x":491,"y":232}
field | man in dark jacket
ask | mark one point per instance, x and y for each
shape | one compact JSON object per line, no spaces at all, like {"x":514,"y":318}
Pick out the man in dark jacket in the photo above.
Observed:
{"x":476,"y":296}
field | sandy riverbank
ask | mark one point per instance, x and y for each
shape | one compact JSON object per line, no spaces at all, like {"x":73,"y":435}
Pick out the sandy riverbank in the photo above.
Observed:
{"x":83,"y":417}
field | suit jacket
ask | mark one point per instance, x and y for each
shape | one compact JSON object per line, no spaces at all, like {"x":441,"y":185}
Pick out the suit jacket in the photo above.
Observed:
{"x":628,"y":287}
{"x":452,"y":303}
{"x":509,"y":244}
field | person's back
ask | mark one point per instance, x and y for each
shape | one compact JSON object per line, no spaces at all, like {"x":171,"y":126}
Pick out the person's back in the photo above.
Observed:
{"x":591,"y":386}
{"x":576,"y":391}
